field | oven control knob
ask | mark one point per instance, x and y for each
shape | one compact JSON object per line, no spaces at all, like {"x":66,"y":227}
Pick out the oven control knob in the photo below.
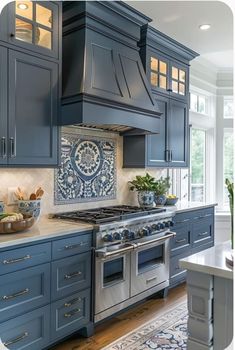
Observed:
{"x":117,"y":236}
{"x":108,"y":237}
{"x":171,"y":223}
{"x":144,"y":232}
{"x":149,"y":228}
{"x":126,"y":234}
{"x":166,"y":223}
{"x":162,"y":225}
{"x":154,"y":227}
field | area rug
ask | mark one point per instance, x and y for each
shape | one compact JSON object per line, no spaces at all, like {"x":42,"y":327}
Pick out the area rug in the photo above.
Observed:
{"x":166,"y":332}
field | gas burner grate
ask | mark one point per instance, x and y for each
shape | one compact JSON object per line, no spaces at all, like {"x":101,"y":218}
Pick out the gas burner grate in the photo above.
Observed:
{"x":109,"y":214}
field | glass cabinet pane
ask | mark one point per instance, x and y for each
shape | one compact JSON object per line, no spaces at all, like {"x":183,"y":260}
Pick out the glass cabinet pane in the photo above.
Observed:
{"x":175,"y":87}
{"x":43,"y":16}
{"x":154,"y":79}
{"x":163,"y":67}
{"x":24,"y":31}
{"x":24,"y":9}
{"x":182,"y":75}
{"x":44,"y":38}
{"x":162,"y":82}
{"x":174,"y":73}
{"x":181,"y":89}
{"x":154,"y":64}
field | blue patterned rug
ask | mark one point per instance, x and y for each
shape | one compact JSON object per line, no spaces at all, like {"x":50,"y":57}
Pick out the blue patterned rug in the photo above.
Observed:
{"x":167,"y":332}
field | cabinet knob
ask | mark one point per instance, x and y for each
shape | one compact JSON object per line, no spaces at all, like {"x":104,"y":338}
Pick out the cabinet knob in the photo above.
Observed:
{"x":169,"y":90}
{"x":12,"y":35}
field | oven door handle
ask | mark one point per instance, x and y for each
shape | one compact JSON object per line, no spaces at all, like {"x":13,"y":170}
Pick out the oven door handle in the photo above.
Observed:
{"x":103,"y":255}
{"x":163,"y":238}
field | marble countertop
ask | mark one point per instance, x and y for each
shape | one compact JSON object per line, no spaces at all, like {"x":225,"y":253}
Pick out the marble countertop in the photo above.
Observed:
{"x":183,"y":206}
{"x":211,"y":261}
{"x":44,"y":229}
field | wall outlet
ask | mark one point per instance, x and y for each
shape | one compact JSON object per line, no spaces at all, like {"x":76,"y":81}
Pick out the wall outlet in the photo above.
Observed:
{"x":11,"y":198}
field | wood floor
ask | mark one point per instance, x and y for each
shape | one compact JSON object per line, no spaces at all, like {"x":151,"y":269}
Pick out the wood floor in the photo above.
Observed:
{"x":124,"y":323}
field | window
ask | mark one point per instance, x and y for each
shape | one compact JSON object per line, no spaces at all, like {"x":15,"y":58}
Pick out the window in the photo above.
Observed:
{"x":198,"y":103}
{"x":228,"y":161}
{"x":228,"y":107}
{"x":197,"y":168}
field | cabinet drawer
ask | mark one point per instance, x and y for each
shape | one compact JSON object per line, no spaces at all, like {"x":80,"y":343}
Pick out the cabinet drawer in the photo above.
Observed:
{"x":71,"y":275}
{"x":202,"y":232}
{"x":24,"y":290}
{"x":17,"y":259}
{"x":28,"y":332}
{"x":70,"y":314}
{"x":176,"y":273}
{"x":182,"y":219}
{"x":203,"y":214}
{"x":181,"y":242}
{"x":71,"y":246}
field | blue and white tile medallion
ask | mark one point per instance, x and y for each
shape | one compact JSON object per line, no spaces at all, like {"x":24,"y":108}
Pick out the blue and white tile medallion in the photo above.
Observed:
{"x":87,"y":171}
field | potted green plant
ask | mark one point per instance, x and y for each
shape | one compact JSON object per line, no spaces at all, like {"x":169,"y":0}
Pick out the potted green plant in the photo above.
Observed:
{"x":145,"y":187}
{"x":161,"y":187}
{"x":229,"y":185}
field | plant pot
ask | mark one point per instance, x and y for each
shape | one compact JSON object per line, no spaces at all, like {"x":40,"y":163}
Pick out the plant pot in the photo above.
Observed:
{"x":30,"y":207}
{"x":160,"y":199}
{"x":146,"y":198}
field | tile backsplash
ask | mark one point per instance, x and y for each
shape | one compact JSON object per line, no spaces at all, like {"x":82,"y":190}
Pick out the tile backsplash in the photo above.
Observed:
{"x":29,"y":179}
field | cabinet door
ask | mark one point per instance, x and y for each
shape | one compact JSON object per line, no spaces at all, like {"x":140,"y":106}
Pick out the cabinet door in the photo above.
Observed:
{"x":179,"y":81}
{"x":34,"y":25}
{"x":3,"y":105}
{"x":178,"y":134}
{"x":4,"y":35}
{"x":158,"y":72}
{"x":33,"y":110}
{"x":157,"y":145}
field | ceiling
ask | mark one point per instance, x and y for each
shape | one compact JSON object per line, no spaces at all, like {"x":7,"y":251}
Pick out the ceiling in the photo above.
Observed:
{"x":181,"y":19}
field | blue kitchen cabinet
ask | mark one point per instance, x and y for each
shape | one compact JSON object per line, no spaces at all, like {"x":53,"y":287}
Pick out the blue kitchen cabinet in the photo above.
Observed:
{"x":169,"y":148}
{"x":30,"y":69}
{"x":166,"y":63}
{"x":45,"y":291}
{"x":3,"y":105}
{"x":33,"y":25}
{"x":194,"y":233}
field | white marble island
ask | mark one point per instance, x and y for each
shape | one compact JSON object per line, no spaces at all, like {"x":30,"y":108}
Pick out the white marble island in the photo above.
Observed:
{"x":210,"y":298}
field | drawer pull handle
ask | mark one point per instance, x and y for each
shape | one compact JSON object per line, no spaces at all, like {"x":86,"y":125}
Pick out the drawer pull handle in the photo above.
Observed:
{"x":72,"y":313}
{"x":72,"y":275}
{"x":182,"y":221}
{"x":4,"y":152}
{"x":203,"y":233}
{"x":18,"y":294}
{"x":151,"y":279}
{"x":75,"y":245}
{"x":16,"y":340}
{"x":13,"y":261}
{"x":72,"y":302}
{"x":12,"y":147}
{"x":180,"y":240}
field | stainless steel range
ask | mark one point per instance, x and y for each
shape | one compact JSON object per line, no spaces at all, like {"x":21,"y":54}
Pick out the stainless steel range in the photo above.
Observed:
{"x":132,"y":254}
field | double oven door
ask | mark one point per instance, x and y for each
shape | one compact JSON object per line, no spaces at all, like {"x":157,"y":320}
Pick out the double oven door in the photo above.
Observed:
{"x":112,"y":280}
{"x":130,"y":270}
{"x":149,"y":265}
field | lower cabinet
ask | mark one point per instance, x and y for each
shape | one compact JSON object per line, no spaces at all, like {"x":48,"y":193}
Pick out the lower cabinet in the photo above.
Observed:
{"x":194,"y":233}
{"x":44,"y":298}
{"x":30,"y":331}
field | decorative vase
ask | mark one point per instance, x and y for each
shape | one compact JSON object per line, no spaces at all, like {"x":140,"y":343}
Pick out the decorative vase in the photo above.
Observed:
{"x":30,"y":207}
{"x":1,"y":206}
{"x":160,"y":199}
{"x":146,"y":198}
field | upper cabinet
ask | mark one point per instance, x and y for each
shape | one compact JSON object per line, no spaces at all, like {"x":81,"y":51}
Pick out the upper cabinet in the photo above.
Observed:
{"x":168,"y":76}
{"x":30,"y":69}
{"x":33,"y":25}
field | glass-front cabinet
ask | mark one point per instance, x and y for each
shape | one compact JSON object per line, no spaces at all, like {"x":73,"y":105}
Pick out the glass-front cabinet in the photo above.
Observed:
{"x":34,"y":25}
{"x":168,"y":76}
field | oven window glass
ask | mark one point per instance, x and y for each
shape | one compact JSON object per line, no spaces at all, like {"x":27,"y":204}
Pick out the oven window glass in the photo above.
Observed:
{"x":149,"y":258}
{"x":113,"y":271}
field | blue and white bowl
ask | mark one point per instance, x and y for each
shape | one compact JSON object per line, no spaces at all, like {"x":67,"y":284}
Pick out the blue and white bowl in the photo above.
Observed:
{"x":32,"y":208}
{"x":146,"y":198}
{"x":2,"y":207}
